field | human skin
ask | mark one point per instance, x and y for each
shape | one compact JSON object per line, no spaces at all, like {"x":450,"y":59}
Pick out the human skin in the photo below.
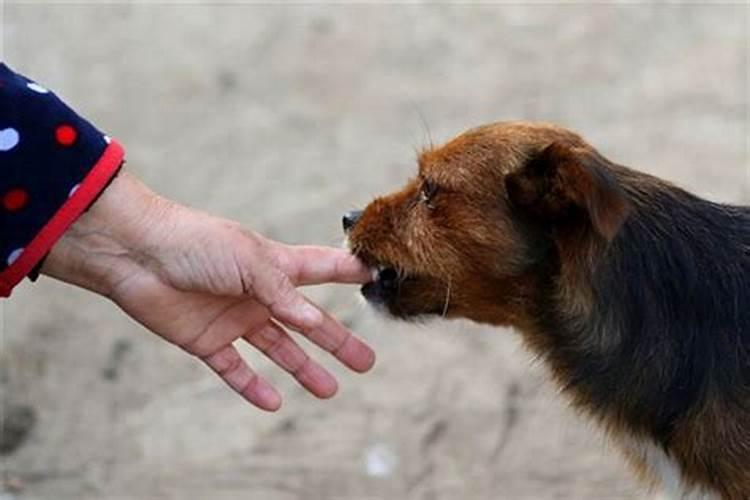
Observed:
{"x":202,"y":282}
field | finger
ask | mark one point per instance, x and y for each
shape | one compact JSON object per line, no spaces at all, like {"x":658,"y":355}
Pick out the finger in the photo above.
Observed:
{"x":231,"y":319}
{"x":333,"y":337}
{"x":274,"y":342}
{"x":230,"y":366}
{"x":324,"y":331}
{"x":290,"y":307}
{"x":311,"y":265}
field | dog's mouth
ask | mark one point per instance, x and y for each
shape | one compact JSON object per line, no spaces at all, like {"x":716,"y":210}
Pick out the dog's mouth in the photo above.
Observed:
{"x":403,"y":293}
{"x":392,"y":286}
{"x":385,"y":283}
{"x":385,"y":274}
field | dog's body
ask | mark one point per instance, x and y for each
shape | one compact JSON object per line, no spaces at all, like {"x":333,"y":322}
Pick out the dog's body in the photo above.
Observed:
{"x":635,"y":292}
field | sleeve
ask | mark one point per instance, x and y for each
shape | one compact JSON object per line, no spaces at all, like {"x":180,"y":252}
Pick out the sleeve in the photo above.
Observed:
{"x":53,"y":165}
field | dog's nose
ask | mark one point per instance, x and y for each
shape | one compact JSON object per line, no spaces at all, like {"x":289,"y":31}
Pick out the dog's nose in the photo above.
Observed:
{"x":350,"y":218}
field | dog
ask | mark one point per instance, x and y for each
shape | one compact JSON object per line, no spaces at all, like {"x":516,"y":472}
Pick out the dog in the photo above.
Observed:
{"x":633,"y":291}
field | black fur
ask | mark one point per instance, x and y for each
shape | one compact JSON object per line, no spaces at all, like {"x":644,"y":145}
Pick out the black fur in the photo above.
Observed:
{"x":671,"y":312}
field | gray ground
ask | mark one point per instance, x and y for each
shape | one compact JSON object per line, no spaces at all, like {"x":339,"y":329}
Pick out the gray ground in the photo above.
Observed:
{"x":282,"y":117}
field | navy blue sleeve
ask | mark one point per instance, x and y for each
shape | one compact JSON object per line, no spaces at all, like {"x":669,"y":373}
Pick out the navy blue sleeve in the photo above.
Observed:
{"x":53,"y":165}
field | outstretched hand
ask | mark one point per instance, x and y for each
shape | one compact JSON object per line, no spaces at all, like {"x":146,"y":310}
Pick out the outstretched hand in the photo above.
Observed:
{"x":202,"y":283}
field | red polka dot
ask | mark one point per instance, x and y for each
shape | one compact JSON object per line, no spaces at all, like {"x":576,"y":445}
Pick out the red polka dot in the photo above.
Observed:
{"x":66,"y":135}
{"x":15,"y":199}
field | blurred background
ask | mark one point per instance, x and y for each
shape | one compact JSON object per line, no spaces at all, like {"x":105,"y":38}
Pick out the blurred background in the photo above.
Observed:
{"x":282,"y":117}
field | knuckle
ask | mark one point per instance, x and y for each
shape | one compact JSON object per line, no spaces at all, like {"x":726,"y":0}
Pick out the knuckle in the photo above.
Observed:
{"x":276,"y":343}
{"x":234,"y":365}
{"x":223,"y":363}
{"x":261,"y":338}
{"x":341,"y":344}
{"x":249,"y":385}
{"x":315,"y":321}
{"x":301,"y":366}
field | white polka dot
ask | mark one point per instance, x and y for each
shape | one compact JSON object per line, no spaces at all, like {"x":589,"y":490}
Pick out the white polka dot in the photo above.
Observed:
{"x":14,"y":255}
{"x":8,"y":139}
{"x":37,"y":88}
{"x":107,"y":139}
{"x":73,"y":190}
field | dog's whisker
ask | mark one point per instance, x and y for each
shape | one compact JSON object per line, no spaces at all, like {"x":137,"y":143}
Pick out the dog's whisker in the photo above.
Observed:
{"x":447,"y":298}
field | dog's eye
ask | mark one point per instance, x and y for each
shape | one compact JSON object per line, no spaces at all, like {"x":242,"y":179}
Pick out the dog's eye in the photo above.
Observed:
{"x":427,"y":191}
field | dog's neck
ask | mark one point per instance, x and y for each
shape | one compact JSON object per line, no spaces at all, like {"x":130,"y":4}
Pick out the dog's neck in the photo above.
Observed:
{"x":646,"y":333}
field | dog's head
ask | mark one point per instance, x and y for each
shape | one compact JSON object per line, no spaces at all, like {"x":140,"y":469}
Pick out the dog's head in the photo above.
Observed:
{"x":469,"y":235}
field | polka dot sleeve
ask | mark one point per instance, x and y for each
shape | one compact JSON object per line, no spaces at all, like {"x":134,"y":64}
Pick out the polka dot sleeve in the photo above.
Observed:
{"x":53,"y":165}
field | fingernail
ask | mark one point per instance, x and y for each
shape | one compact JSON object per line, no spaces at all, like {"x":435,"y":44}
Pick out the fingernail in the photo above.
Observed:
{"x":270,"y":397}
{"x":370,"y":361}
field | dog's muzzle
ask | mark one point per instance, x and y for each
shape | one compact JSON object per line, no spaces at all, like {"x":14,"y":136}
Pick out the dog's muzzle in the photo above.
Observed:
{"x":385,"y":279}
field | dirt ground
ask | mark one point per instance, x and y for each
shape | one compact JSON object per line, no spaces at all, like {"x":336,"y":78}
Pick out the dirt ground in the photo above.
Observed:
{"x":282,"y":117}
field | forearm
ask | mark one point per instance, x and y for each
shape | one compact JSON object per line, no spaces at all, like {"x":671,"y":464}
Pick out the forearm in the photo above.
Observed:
{"x":54,"y":164}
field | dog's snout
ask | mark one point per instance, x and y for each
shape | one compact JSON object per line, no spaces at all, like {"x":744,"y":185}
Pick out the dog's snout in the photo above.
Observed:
{"x":350,"y":218}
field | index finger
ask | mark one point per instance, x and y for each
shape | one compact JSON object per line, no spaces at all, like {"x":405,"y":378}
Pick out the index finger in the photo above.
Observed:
{"x":314,"y":265}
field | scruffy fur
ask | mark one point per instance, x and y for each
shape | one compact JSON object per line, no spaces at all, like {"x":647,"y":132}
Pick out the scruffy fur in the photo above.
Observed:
{"x":635,"y":292}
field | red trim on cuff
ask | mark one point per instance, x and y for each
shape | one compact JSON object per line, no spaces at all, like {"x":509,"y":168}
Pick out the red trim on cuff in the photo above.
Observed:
{"x":89,"y":189}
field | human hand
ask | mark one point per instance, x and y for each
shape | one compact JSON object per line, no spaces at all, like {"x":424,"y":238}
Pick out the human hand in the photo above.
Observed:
{"x":202,"y":283}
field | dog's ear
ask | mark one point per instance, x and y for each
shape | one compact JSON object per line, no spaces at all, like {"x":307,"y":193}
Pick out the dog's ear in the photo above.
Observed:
{"x":563,"y":181}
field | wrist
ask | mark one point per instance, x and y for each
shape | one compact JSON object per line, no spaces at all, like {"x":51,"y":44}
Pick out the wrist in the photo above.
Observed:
{"x":108,"y":242}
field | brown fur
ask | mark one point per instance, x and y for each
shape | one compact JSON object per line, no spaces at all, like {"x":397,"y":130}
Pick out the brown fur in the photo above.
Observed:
{"x":527,"y":225}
